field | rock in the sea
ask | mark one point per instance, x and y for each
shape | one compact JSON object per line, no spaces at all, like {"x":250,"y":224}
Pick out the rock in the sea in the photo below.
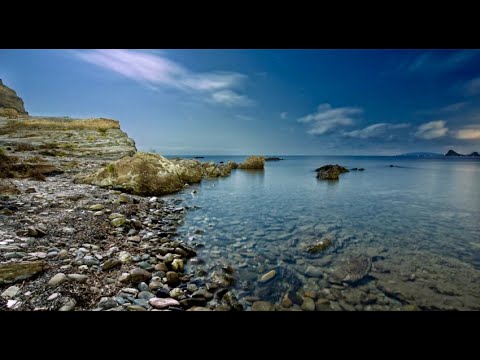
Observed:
{"x":199,"y":308}
{"x":314,"y":271}
{"x":319,"y":246}
{"x":268,"y":276}
{"x":352,"y":269}
{"x":16,"y":271}
{"x":273,"y":158}
{"x":231,"y":300}
{"x":262,"y":306}
{"x":161,"y":303}
{"x":141,"y":174}
{"x":253,"y":163}
{"x":11,"y":105}
{"x":330,"y":172}
{"x":308,"y":304}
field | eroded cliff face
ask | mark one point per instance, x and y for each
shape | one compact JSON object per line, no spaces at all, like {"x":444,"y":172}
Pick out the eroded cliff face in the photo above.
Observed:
{"x":11,"y":105}
{"x":64,"y":141}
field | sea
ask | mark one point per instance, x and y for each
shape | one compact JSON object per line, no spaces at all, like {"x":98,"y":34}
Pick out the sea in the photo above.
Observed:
{"x":404,"y":234}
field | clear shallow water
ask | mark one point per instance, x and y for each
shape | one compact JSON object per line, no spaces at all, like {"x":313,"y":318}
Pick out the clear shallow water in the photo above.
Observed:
{"x":420,"y":223}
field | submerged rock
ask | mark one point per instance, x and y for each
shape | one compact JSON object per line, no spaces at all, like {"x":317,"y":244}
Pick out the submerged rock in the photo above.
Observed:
{"x":253,"y":163}
{"x":330,"y":172}
{"x":352,"y":269}
{"x":319,"y":246}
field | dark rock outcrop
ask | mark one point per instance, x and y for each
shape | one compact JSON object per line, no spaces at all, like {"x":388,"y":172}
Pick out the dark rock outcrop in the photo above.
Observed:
{"x":273,"y":158}
{"x":474,"y":154}
{"x":330,"y":172}
{"x":11,"y":105}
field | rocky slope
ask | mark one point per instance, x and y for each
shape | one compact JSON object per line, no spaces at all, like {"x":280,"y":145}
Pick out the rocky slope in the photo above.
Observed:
{"x":11,"y":105}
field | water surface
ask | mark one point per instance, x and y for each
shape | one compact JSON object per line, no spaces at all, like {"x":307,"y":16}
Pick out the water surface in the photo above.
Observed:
{"x":418,"y":221}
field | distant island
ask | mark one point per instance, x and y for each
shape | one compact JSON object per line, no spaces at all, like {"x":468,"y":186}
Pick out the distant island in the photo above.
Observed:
{"x":433,"y":155}
{"x":453,"y":153}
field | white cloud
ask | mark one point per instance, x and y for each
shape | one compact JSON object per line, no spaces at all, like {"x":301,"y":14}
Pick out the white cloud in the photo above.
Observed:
{"x":432,"y":130}
{"x":156,"y":70}
{"x":230,"y":98}
{"x":284,"y":115}
{"x":375,"y":130}
{"x":469,"y":133}
{"x":327,"y":118}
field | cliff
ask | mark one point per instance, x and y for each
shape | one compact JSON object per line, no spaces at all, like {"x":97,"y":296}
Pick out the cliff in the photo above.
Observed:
{"x":11,"y":105}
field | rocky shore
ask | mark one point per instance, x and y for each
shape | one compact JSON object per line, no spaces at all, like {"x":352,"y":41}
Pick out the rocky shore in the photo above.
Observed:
{"x":68,"y":246}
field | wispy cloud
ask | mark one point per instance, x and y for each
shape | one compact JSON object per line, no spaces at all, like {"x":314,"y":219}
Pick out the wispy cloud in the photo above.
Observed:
{"x":432,"y":130}
{"x":244,"y":117}
{"x":156,"y":70}
{"x":230,"y":98}
{"x":327,"y":118}
{"x":375,"y":131}
{"x":283,"y":115}
{"x":440,"y":60}
{"x":471,"y":132}
{"x":472,"y":87}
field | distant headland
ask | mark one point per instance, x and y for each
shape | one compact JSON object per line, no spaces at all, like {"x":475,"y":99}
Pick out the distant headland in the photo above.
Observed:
{"x":436,"y":155}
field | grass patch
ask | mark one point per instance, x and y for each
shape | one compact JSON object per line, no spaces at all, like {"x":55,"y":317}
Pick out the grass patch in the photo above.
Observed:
{"x":8,"y":188}
{"x":68,"y":146}
{"x":49,"y":146}
{"x":13,"y":167}
{"x":100,"y":124}
{"x":102,"y":131}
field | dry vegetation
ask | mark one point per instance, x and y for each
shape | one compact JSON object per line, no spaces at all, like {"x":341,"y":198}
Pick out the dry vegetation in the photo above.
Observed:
{"x":13,"y":167}
{"x":101,"y":125}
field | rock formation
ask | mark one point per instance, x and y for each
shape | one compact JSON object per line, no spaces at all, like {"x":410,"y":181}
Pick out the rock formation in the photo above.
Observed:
{"x":330,"y":172}
{"x":253,"y":163}
{"x":11,"y":105}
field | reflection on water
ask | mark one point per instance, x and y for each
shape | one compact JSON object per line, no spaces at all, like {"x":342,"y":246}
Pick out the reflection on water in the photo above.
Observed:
{"x":417,"y":224}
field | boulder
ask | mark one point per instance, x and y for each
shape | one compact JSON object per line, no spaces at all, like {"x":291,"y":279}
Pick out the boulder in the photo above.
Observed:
{"x":141,"y":174}
{"x":253,"y":163}
{"x":330,"y":172}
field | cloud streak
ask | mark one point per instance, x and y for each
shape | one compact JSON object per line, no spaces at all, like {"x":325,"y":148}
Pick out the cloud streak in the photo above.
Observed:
{"x":375,"y":131}
{"x":327,"y":118}
{"x":432,"y":130}
{"x":472,"y":87}
{"x":469,"y":133}
{"x":283,"y":115}
{"x":438,"y":61}
{"x":156,"y":70}
{"x":230,"y":98}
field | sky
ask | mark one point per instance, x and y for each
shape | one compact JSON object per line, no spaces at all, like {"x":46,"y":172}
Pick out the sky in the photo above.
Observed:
{"x":270,"y":102}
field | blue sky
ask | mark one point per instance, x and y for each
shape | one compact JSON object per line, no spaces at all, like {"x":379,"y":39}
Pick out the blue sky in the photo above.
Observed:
{"x":298,"y":102}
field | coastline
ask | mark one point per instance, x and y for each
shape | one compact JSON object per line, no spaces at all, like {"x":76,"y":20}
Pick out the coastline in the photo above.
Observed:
{"x":67,"y":246}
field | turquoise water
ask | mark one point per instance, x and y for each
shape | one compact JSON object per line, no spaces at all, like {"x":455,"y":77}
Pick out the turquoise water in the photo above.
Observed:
{"x":418,"y":221}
